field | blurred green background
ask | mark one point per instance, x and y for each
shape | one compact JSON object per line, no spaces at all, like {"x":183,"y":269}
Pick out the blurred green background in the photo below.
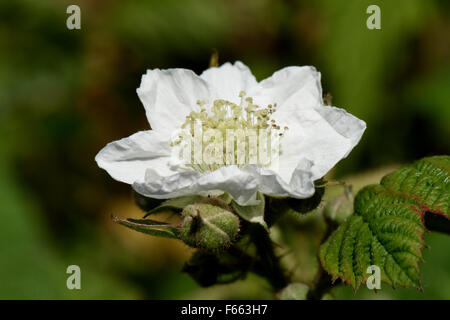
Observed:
{"x":65,"y":93}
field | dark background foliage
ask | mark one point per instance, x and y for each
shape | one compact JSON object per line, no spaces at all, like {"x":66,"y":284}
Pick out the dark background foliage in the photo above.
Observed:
{"x":65,"y":93}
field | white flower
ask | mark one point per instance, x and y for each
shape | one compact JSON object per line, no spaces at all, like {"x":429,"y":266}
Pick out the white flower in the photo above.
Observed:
{"x":318,"y":136}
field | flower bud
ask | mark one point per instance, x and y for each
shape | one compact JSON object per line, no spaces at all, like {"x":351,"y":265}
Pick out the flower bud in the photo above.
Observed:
{"x":209,"y":227}
{"x":294,"y":291}
{"x":340,"y":208}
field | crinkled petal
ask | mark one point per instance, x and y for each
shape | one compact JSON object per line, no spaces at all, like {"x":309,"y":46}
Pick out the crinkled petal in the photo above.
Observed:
{"x":241,"y":185}
{"x":300,"y":186}
{"x":344,"y":123}
{"x":228,"y":80}
{"x":170,"y":95}
{"x":127,"y":159}
{"x":318,"y":136}
{"x":321,"y":136}
{"x":288,"y":85}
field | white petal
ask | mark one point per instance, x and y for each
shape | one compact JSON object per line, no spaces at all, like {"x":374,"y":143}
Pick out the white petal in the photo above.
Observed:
{"x":288,"y":85}
{"x":300,"y":186}
{"x":321,"y":134}
{"x":228,"y":80}
{"x":344,"y":123}
{"x":317,"y":138}
{"x":170,"y":95}
{"x":241,"y":185}
{"x":127,"y":159}
{"x":311,"y":135}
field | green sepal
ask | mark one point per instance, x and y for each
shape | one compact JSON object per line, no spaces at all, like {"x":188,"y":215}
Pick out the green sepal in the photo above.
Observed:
{"x":177,"y":204}
{"x":151,"y":227}
{"x":309,"y":204}
{"x":254,"y":214}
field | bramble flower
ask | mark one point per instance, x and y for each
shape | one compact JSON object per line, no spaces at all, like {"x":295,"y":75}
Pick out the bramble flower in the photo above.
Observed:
{"x":197,"y":122}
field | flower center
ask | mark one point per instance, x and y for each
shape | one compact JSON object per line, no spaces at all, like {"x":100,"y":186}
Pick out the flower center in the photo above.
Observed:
{"x":209,"y":139}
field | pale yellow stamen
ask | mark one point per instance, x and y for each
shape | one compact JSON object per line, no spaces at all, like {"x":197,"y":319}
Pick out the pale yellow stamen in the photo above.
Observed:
{"x":226,"y":115}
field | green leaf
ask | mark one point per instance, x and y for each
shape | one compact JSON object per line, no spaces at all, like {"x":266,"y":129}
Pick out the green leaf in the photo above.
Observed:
{"x":151,"y":227}
{"x":388,"y":225}
{"x":253,"y":214}
{"x":174,"y":204}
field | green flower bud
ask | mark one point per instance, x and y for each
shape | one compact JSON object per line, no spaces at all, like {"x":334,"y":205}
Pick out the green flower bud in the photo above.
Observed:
{"x":208,"y":226}
{"x":340,"y":208}
{"x":294,"y":291}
